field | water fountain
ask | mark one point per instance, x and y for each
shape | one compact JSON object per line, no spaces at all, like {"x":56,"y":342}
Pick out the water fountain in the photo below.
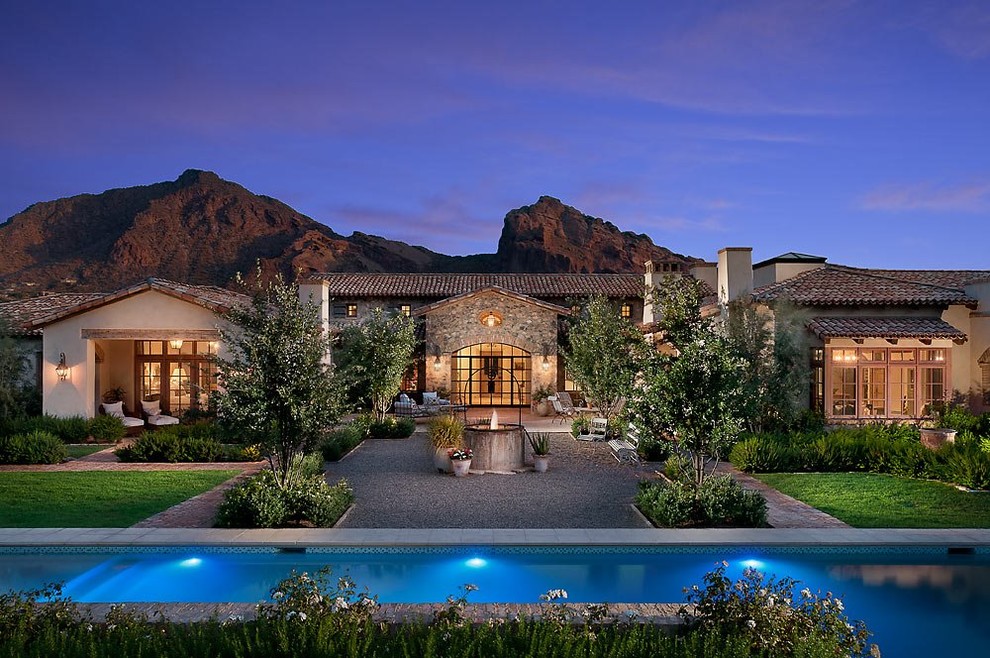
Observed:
{"x":497,"y":447}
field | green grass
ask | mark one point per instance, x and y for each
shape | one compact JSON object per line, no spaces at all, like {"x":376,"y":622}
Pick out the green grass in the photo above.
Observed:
{"x":869,"y":500}
{"x":77,"y":450}
{"x":96,"y":499}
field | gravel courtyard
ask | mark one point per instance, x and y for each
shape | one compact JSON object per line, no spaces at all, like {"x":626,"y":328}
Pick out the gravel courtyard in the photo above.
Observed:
{"x":396,"y":486}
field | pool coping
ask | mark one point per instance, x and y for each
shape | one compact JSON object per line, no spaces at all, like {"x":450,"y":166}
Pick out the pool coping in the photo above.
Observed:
{"x":303,"y":537}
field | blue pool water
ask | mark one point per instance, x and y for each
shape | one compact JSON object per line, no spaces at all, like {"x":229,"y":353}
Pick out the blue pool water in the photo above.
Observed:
{"x":918,"y":602}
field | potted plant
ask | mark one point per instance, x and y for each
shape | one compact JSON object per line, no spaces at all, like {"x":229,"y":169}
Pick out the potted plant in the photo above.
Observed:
{"x":580,"y":425}
{"x":460,"y":460}
{"x":937,"y":432}
{"x":445,"y":432}
{"x":540,"y":442}
{"x":541,"y":401}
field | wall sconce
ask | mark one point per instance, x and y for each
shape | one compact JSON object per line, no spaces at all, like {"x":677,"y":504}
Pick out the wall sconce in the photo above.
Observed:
{"x":491,"y":319}
{"x":175,"y":344}
{"x":546,"y":362}
{"x":61,"y":369}
{"x":436,"y":363}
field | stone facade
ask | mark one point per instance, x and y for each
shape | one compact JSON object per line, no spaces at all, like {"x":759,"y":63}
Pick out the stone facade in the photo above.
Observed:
{"x":530,"y":326}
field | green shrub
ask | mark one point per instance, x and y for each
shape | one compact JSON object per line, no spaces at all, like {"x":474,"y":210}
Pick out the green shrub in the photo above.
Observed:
{"x":74,"y":429}
{"x":654,"y":450}
{"x":678,"y":468}
{"x":306,"y":466}
{"x":311,"y":501}
{"x":391,"y":428}
{"x":261,"y":503}
{"x":35,"y":447}
{"x":257,"y":503}
{"x":763,"y":454}
{"x":720,"y":501}
{"x":968,"y":466}
{"x":580,"y":425}
{"x":340,"y":442}
{"x":165,"y":445}
{"x":106,"y":429}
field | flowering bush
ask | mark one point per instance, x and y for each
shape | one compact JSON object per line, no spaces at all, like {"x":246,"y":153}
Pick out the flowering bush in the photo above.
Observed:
{"x":460,"y":454}
{"x":301,"y":597}
{"x":766,"y":611}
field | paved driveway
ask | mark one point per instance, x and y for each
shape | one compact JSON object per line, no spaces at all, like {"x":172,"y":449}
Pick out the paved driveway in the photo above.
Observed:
{"x":396,"y":486}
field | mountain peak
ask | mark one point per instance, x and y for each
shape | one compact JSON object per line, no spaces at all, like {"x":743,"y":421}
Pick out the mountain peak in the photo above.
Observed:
{"x":197,"y":177}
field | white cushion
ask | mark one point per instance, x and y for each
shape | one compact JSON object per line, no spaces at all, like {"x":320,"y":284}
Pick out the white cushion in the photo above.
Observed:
{"x":404,"y":398}
{"x":430,"y":398}
{"x":114,"y":409}
{"x":132,"y":422}
{"x":158,"y":420}
{"x":151,"y":408}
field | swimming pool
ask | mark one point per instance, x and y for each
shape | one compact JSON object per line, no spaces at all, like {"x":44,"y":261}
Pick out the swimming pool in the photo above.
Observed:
{"x":917,"y":601}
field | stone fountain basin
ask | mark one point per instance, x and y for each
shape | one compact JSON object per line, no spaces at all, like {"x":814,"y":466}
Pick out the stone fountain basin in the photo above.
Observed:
{"x":501,"y":449}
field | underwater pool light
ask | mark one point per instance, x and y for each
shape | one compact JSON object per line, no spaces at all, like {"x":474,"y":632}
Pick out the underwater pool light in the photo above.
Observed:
{"x":753,"y":564}
{"x":191,"y":562}
{"x":476,"y":563}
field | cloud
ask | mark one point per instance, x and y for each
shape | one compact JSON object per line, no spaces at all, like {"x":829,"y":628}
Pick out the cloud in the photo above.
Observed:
{"x":442,"y":223}
{"x":972,"y":196}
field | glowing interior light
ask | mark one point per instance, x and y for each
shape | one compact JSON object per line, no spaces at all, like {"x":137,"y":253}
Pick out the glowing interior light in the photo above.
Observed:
{"x":753,"y":564}
{"x":476,"y":563}
{"x":191,"y":562}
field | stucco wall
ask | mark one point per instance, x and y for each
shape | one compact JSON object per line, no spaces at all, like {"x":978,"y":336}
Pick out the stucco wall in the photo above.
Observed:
{"x":148,"y":310}
{"x":458,"y":325}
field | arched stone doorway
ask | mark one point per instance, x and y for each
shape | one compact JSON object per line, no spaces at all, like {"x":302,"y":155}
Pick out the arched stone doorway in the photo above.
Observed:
{"x":492,"y":375}
{"x":984,"y":362}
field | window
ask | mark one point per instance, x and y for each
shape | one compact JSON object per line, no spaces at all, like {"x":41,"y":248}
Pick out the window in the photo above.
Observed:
{"x":339,"y":310}
{"x":887,"y":382}
{"x":405,"y":310}
{"x":817,"y":401}
{"x":352,"y":310}
{"x":179,"y":378}
{"x":625,"y":311}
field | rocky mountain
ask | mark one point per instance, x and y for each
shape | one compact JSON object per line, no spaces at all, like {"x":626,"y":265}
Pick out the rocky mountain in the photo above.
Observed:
{"x":203,"y":229}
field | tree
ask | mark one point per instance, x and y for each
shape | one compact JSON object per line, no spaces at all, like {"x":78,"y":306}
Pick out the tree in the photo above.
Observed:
{"x":774,"y":348}
{"x":277,"y":388}
{"x":603,"y":354}
{"x":12,"y":364}
{"x":690,"y":394}
{"x":375,"y":354}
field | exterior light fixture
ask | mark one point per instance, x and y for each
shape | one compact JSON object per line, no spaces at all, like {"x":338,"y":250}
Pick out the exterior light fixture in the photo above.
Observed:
{"x":436,"y":362}
{"x":61,"y":369}
{"x":491,"y":319}
{"x":546,"y":362}
{"x":175,"y":344}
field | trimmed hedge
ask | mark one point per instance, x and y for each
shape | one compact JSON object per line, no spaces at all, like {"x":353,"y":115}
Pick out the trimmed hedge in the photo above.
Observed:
{"x":32,"y":448}
{"x":107,"y":429}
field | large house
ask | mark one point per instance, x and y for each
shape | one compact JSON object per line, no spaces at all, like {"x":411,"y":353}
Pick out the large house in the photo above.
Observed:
{"x":884,"y":344}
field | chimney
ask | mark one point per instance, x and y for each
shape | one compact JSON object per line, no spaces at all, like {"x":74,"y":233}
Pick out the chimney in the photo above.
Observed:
{"x":649,"y":279}
{"x":735,"y":273}
{"x":706,"y":273}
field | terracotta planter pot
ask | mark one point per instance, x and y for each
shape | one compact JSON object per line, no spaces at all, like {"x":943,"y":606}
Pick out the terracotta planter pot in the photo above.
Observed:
{"x":936,"y":438}
{"x":461,"y":467}
{"x":541,"y":463}
{"x":542,"y":408}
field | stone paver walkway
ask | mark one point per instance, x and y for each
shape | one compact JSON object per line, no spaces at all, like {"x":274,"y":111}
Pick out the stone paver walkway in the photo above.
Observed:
{"x":784,"y":511}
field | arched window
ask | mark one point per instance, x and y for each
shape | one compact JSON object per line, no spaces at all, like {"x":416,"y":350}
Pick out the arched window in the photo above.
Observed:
{"x":985,"y":375}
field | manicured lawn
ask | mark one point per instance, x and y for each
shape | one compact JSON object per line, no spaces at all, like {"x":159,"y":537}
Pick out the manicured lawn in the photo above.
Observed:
{"x":868,"y":500}
{"x":96,"y":499}
{"x":78,"y":450}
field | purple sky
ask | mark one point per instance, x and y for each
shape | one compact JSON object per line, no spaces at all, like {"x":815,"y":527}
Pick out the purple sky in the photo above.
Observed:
{"x":859,"y":131}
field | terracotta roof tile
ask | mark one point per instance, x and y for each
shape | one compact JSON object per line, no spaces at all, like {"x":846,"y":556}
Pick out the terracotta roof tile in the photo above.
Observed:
{"x":826,"y":327}
{"x":439,"y":286}
{"x":838,"y":285}
{"x":20,"y":313}
{"x":211,"y":297}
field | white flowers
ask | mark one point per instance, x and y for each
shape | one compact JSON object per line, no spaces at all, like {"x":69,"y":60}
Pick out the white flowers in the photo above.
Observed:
{"x":751,"y":623}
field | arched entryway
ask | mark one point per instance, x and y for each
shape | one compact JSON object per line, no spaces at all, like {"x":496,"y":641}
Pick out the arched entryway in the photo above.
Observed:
{"x":492,"y":374}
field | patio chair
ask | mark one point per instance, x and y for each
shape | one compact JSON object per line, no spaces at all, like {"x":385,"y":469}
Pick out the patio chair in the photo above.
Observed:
{"x":409,"y":409}
{"x":599,"y":429}
{"x":626,"y":450}
{"x":560,"y":412}
{"x":116,"y":409}
{"x":153,"y":416}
